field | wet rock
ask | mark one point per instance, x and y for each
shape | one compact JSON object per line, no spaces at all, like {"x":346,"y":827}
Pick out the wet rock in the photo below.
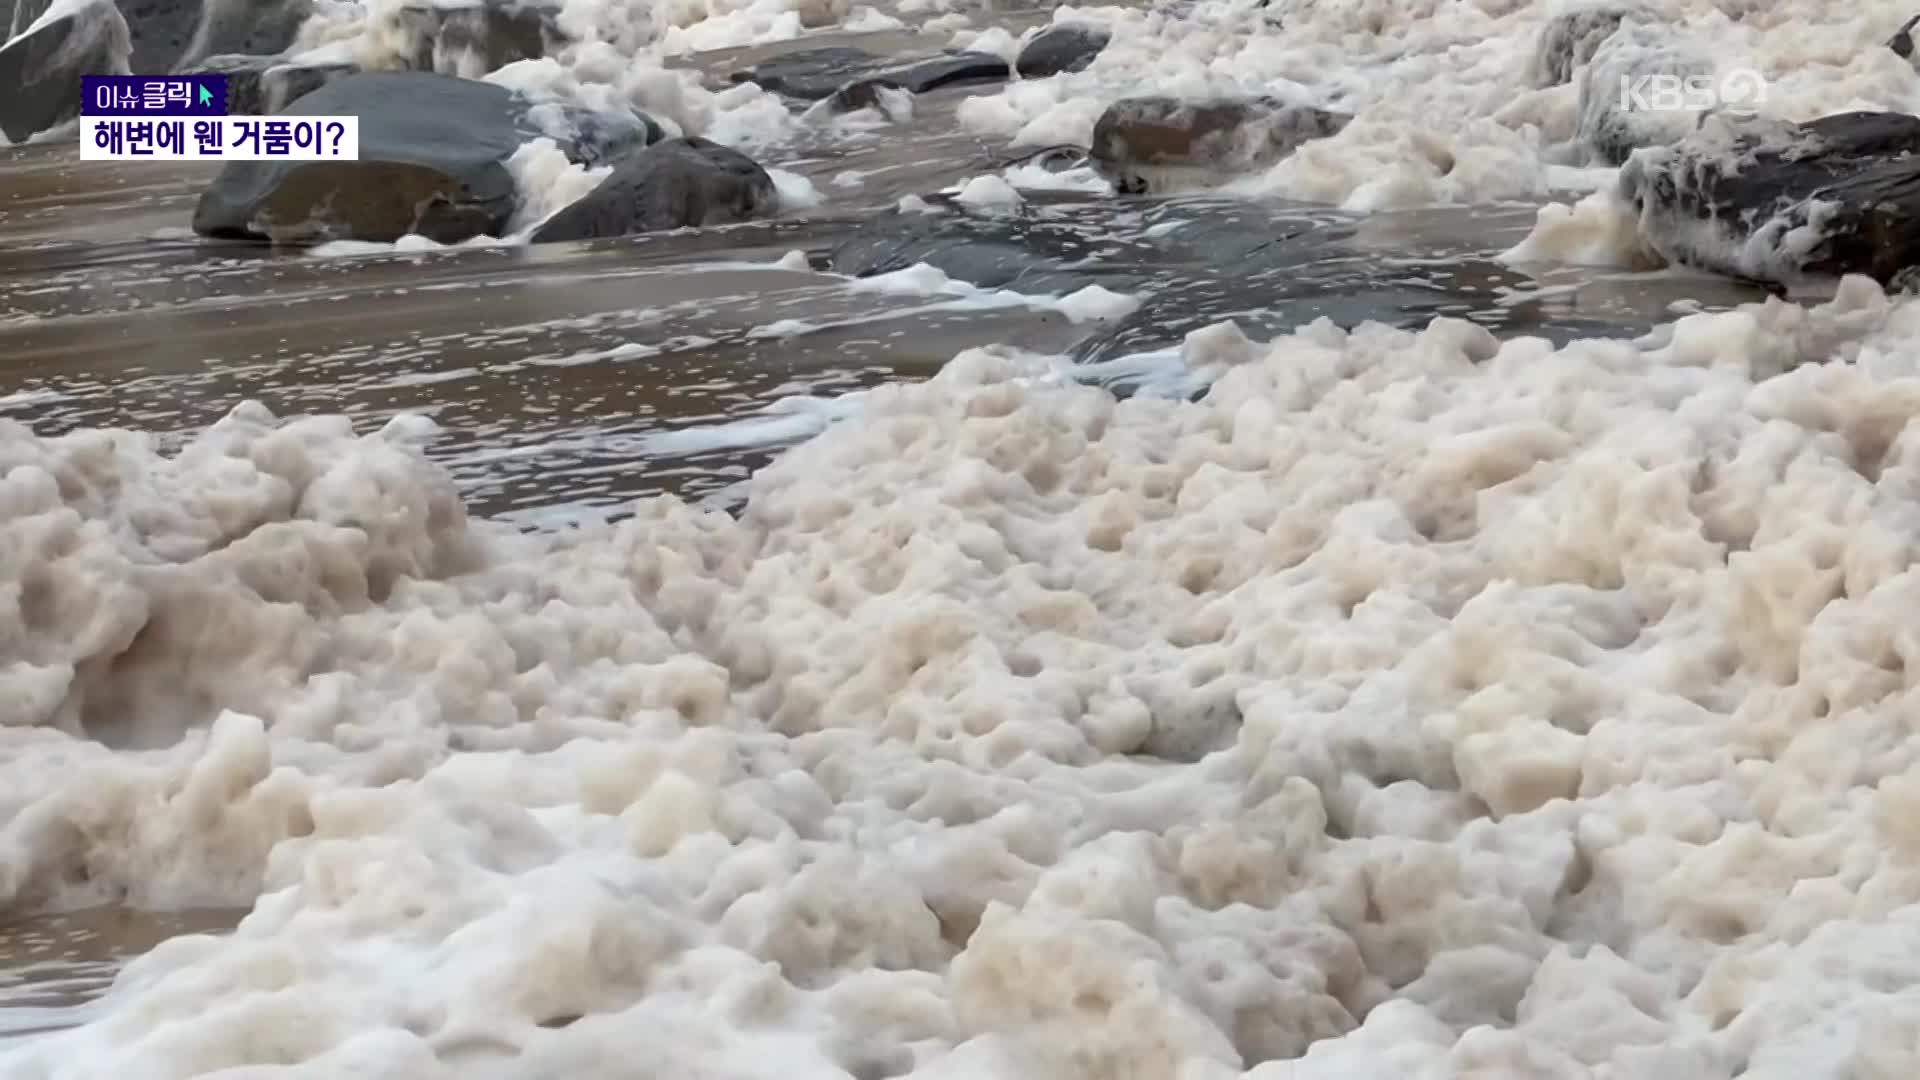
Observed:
{"x":1838,"y":195}
{"x":263,"y":85}
{"x":594,"y":138}
{"x":1570,"y":38}
{"x":1610,"y":124}
{"x":479,"y":38}
{"x":17,"y":15}
{"x":1902,"y":40}
{"x":880,"y":95}
{"x":433,"y":152}
{"x":1061,"y":48}
{"x":221,"y":27}
{"x":41,"y":70}
{"x":1225,"y":135}
{"x":817,"y":74}
{"x":679,"y":183}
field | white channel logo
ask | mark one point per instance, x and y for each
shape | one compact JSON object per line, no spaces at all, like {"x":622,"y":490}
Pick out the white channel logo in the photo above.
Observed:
{"x":1741,"y":90}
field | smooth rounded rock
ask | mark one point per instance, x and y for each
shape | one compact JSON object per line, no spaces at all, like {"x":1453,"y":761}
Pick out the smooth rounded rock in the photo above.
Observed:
{"x":678,"y":183}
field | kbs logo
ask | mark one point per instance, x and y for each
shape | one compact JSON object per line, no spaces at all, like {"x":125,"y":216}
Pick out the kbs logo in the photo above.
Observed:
{"x":1739,"y":90}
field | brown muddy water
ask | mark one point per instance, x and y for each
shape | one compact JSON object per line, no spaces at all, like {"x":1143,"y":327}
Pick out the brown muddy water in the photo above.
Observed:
{"x":568,"y":380}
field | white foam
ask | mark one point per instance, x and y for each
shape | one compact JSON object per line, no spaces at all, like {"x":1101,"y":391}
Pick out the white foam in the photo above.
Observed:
{"x":1409,"y":704}
{"x":796,"y":191}
{"x":989,"y":193}
{"x":1443,"y":111}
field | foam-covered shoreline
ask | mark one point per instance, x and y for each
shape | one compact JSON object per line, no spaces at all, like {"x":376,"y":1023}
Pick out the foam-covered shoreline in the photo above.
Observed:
{"x":1414,"y":701}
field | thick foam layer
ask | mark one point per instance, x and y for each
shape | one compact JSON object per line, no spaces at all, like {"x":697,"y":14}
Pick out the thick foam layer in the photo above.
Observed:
{"x":1418,"y":703}
{"x":1443,"y":94}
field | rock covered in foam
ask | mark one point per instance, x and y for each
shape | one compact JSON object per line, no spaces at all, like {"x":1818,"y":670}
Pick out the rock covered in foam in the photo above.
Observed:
{"x":1224,"y":135}
{"x":1838,"y":195}
{"x":1061,"y":48}
{"x":41,"y":69}
{"x":814,"y":74}
{"x":473,"y":39}
{"x":433,"y":154}
{"x":1570,"y":38}
{"x":263,"y":85}
{"x":677,"y":183}
{"x":1611,"y":123}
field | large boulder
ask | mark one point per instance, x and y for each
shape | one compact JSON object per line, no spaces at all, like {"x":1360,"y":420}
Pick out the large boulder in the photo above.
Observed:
{"x":1774,"y":201}
{"x":1225,"y":135}
{"x":815,"y":74}
{"x":679,"y":183}
{"x":1571,"y":37}
{"x":433,"y":153}
{"x":263,"y":85}
{"x":41,"y":69}
{"x":1061,"y":48}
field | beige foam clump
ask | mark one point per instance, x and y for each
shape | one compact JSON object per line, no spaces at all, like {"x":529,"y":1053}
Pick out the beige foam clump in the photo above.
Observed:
{"x":1412,"y":703}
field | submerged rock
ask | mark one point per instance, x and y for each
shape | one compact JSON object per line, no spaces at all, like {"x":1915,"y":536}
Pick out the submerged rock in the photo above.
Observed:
{"x":817,"y":74}
{"x":1838,"y":195}
{"x":678,"y":183}
{"x":880,"y":95}
{"x":1225,"y":135}
{"x":263,"y":85}
{"x":40,"y":71}
{"x":1062,"y":48}
{"x":433,"y":152}
{"x":478,"y":38}
{"x":1570,"y":38}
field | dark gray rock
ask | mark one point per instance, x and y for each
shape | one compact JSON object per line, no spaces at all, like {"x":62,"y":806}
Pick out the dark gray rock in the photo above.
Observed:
{"x":41,"y":70}
{"x":881,"y":95}
{"x":161,"y":30}
{"x":226,"y":27}
{"x":1902,"y":40}
{"x":1061,"y":48}
{"x":173,"y":35}
{"x":675,"y":184}
{"x":1223,"y":135}
{"x":1571,"y":37}
{"x":17,"y":15}
{"x":263,"y":85}
{"x":1611,"y":128}
{"x":482,"y":37}
{"x":1838,"y":195}
{"x":816,"y":74}
{"x":433,"y":152}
